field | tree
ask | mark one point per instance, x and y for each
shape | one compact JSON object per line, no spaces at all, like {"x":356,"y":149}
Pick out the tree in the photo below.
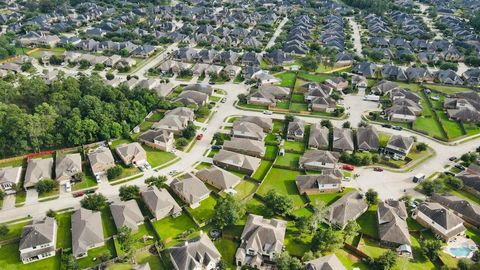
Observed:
{"x":326,"y":123}
{"x":190,"y":131}
{"x":202,"y":112}
{"x":286,"y":262}
{"x":109,"y":76}
{"x":304,"y":224}
{"x":129,"y":192}
{"x":319,"y":213}
{"x":51,"y":213}
{"x":346,"y":124}
{"x":385,"y":262}
{"x":156,"y":181}
{"x":4,"y":230}
{"x":94,"y":202}
{"x":351,"y":230}
{"x":454,"y":182}
{"x":277,"y":203}
{"x":429,"y":187}
{"x":242,"y":99}
{"x":45,"y":185}
{"x":421,"y":147}
{"x":227,"y":211}
{"x":2,"y":194}
{"x":114,"y":172}
{"x":309,"y":63}
{"x":126,"y":240}
{"x":371,"y":196}
{"x":181,"y":142}
{"x":327,"y":240}
{"x":68,"y":261}
{"x":431,"y":248}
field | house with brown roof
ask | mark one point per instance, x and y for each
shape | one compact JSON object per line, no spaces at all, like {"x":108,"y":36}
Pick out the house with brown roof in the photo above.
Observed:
{"x":439,"y":219}
{"x":67,"y":167}
{"x":190,"y":189}
{"x":132,"y":154}
{"x":349,"y":207}
{"x":160,"y":203}
{"x":342,"y":139}
{"x":296,"y":130}
{"x":218,"y":178}
{"x":315,"y":184}
{"x":399,"y":146}
{"x":252,"y":148}
{"x":158,"y":139}
{"x":239,"y":162}
{"x":318,"y":137}
{"x":10,"y":178}
{"x":127,"y":213}
{"x":87,"y":232}
{"x":247,"y":130}
{"x":328,"y":262}
{"x":468,"y":211}
{"x":38,"y":240}
{"x":101,"y":159}
{"x":367,"y":138}
{"x":198,"y":253}
{"x":392,"y":223}
{"x":319,"y":160}
{"x":37,"y":169}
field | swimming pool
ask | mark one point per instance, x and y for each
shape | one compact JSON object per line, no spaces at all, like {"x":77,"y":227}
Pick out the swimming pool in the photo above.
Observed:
{"x":463,"y":251}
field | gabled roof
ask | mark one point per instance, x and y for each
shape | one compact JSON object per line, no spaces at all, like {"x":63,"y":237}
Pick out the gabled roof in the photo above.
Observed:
{"x":265,"y":236}
{"x":329,"y":262}
{"x":348,"y":207}
{"x":236,"y":159}
{"x":466,"y":208}
{"x":264,"y":122}
{"x":367,"y":138}
{"x":242,"y":145}
{"x":222,"y":179}
{"x":38,"y":169}
{"x":318,"y":135}
{"x":159,"y":200}
{"x":442,"y":217}
{"x":126,"y":214}
{"x":194,"y":254}
{"x":392,"y":222}
{"x":190,"y":188}
{"x":37,"y":233}
{"x":319,"y":156}
{"x":68,"y":165}
{"x":343,"y":139}
{"x":401,"y":142}
{"x":86,"y":230}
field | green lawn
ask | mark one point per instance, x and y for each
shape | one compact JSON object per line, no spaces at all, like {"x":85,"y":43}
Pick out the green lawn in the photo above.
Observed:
{"x":429,"y":125}
{"x":20,"y":197}
{"x":144,"y":229}
{"x":368,"y":221}
{"x":87,"y":182}
{"x":126,"y":172}
{"x":10,"y":259}
{"x":298,"y":98}
{"x":472,"y":129}
{"x":287,"y":79}
{"x":64,"y":234}
{"x":298,"y":107}
{"x":294,"y":244}
{"x":448,"y":90}
{"x":383,"y":138}
{"x":156,"y":116}
{"x":12,"y":163}
{"x":145,"y":125}
{"x":302,"y":212}
{"x":277,"y":126}
{"x":314,"y":77}
{"x":271,"y":151}
{"x":289,"y":159}
{"x":141,"y":258}
{"x":118,"y":142}
{"x":14,"y":231}
{"x":452,"y":128}
{"x":283,"y":181}
{"x":203,"y":165}
{"x":93,"y":255}
{"x":170,"y":228}
{"x":328,"y":198}
{"x":255,"y":206}
{"x":294,"y":145}
{"x":205,"y":211}
{"x":349,"y":260}
{"x":262,"y":169}
{"x":156,"y":157}
{"x":38,"y":53}
{"x":283,"y":104}
{"x":109,"y":228}
{"x":244,"y":189}
{"x":227,"y":248}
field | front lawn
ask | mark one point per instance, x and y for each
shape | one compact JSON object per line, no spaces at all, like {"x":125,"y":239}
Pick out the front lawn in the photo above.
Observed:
{"x":283,"y":181}
{"x":10,"y":259}
{"x":170,"y":229}
{"x":205,"y":211}
{"x":156,"y":157}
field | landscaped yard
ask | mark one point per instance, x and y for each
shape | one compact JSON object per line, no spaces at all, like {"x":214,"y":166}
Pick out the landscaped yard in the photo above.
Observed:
{"x":156,"y":157}
{"x":205,"y":211}
{"x":287,"y":79}
{"x":289,"y":159}
{"x":94,"y":255}
{"x":14,"y":230}
{"x":295,"y":146}
{"x":283,"y":181}
{"x":55,"y":51}
{"x":271,"y":151}
{"x":109,"y":228}
{"x":314,"y":77}
{"x":141,"y":258}
{"x":227,"y":248}
{"x":296,"y":245}
{"x":328,"y":198}
{"x":368,"y":221}
{"x":64,"y":234}
{"x":12,"y":163}
{"x":170,"y":228}
{"x":262,"y":170}
{"x":10,"y":259}
{"x":245,"y":188}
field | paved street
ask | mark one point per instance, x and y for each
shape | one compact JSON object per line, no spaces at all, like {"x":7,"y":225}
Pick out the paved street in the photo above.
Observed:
{"x":357,"y":43}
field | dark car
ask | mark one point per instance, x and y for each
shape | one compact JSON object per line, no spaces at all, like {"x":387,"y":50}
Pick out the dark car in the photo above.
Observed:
{"x":397,"y":128}
{"x":449,"y":173}
{"x":216,"y":147}
{"x":387,"y":126}
{"x":378,"y":169}
{"x":78,"y":194}
{"x":460,"y":167}
{"x":452,"y":158}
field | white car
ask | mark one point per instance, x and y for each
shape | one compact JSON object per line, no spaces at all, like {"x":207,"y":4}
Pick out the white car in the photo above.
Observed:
{"x":267,"y":112}
{"x":68,"y":187}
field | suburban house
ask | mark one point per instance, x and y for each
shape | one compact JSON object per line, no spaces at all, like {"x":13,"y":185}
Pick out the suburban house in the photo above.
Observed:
{"x":38,"y":240}
{"x":314,"y":184}
{"x":190,"y":189}
{"x":261,"y":240}
{"x":359,"y":82}
{"x":392,"y":223}
{"x":101,"y":159}
{"x":10,"y":178}
{"x":175,"y":121}
{"x":342,"y":139}
{"x":329,"y":262}
{"x":127,"y":213}
{"x":198,"y":253}
{"x":264,"y":122}
{"x":231,"y":160}
{"x":245,"y":146}
{"x":399,"y":146}
{"x":160,"y":203}
{"x":403,"y":109}
{"x":463,"y":107}
{"x":268,"y":95}
{"x":190,"y":97}
{"x":218,"y":178}
{"x":37,"y":169}
{"x":263,"y":78}
{"x":158,"y":139}
{"x":296,"y":130}
{"x":247,"y":130}
{"x":439,"y":219}
{"x":132,"y":154}
{"x":87,"y":232}
{"x":367,"y":138}
{"x":337,"y":83}
{"x":318,"y":138}
{"x":318,"y":160}
{"x":199,"y":87}
{"x":67,"y":167}
{"x":465,"y":209}
{"x":349,"y":207}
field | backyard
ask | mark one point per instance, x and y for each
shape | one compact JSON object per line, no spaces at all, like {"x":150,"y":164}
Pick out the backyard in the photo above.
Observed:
{"x":282,"y":181}
{"x":171,"y":229}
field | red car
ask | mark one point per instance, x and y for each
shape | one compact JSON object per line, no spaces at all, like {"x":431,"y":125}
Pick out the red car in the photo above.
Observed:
{"x":78,"y":194}
{"x":199,"y":137}
{"x":378,"y":169}
{"x":348,"y":167}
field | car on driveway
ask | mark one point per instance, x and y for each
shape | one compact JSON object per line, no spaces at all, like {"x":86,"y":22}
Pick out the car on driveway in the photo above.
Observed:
{"x":267,"y":112}
{"x":378,"y":169}
{"x":223,"y":100}
{"x":397,"y":128}
{"x":460,"y":167}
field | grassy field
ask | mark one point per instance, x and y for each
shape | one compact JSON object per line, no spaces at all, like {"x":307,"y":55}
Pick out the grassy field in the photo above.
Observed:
{"x":295,"y":244}
{"x":14,"y":231}
{"x":55,"y":51}
{"x":295,"y":146}
{"x":283,"y":181}
{"x":109,"y":228}
{"x":205,"y":211}
{"x":12,"y":163}
{"x":328,"y":198}
{"x":227,"y":248}
{"x":314,"y":77}
{"x":448,"y":90}
{"x":170,"y":228}
{"x":262,"y":170}
{"x":368,"y":221}
{"x":271,"y":151}
{"x":244,"y":189}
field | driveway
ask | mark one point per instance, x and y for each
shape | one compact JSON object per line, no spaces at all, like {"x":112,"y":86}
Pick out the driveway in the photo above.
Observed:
{"x":8,"y":202}
{"x":32,"y":196}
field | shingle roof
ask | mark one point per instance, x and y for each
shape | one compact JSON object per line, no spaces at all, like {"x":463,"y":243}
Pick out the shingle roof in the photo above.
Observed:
{"x":347,"y":208}
{"x":126,"y":214}
{"x":38,"y":169}
{"x":392,"y":222}
{"x":160,"y":200}
{"x":194,"y":254}
{"x":190,"y":188}
{"x":443,"y":217}
{"x":86,"y":230}
{"x":329,"y":262}
{"x":221,"y":178}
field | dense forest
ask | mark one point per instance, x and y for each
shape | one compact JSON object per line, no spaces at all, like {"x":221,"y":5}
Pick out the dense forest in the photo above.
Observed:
{"x":35,"y":116}
{"x":373,"y":6}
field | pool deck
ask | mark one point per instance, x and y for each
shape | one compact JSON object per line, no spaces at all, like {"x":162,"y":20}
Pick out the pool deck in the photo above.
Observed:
{"x":461,"y":242}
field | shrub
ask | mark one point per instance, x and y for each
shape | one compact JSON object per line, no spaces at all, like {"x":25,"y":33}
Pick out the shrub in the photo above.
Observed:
{"x":114,"y":172}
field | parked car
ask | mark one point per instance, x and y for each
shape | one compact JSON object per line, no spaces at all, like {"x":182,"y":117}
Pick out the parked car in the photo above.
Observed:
{"x":216,"y":147}
{"x":397,"y":127}
{"x":223,"y":100}
{"x":418,"y":178}
{"x":68,"y":187}
{"x":378,"y":169}
{"x":199,"y":137}
{"x":460,"y":167}
{"x":78,"y":194}
{"x":449,"y":173}
{"x":267,"y":112}
{"x":387,"y":126}
{"x":348,"y":167}
{"x":452,"y":158}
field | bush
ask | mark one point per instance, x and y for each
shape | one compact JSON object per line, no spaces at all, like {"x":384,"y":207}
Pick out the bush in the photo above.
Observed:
{"x":129,"y":192}
{"x":109,"y":76}
{"x":94,"y":202}
{"x":421,"y":147}
{"x":181,"y":142}
{"x":4,"y":230}
{"x":114,"y":172}
{"x":45,"y":185}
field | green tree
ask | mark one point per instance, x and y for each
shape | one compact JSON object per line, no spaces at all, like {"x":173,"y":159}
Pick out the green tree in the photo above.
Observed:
{"x":94,"y":202}
{"x":45,"y":185}
{"x":190,"y":131}
{"x":51,"y":213}
{"x":156,"y":181}
{"x":371,"y":196}
{"x":421,"y":147}
{"x":68,"y":261}
{"x":429,"y":187}
{"x":202,"y":112}
{"x":385,"y":262}
{"x":309,"y":63}
{"x":351,"y":230}
{"x":129,"y":192}
{"x":126,"y":240}
{"x":286,"y":262}
{"x":327,"y":240}
{"x":228,"y":211}
{"x":431,"y":248}
{"x":181,"y":142}
{"x":4,"y":230}
{"x":454,"y":182}
{"x":114,"y":172}
{"x":277,"y":203}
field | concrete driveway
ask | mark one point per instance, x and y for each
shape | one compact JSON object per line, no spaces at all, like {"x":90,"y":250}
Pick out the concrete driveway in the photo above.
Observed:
{"x":8,"y":202}
{"x":32,"y":196}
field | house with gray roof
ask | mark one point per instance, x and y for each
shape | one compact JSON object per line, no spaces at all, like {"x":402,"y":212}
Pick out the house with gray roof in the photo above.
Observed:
{"x":198,"y":253}
{"x":247,"y":130}
{"x":218,"y":178}
{"x":367,"y":138}
{"x":392,"y":223}
{"x":328,"y":262}
{"x":471,"y":181}
{"x":349,"y":207}
{"x":439,"y":219}
{"x":245,"y":146}
{"x":67,"y":167}
{"x":315,"y":184}
{"x":101,"y":159}
{"x":399,"y":146}
{"x":231,"y":160}
{"x":158,"y":139}
{"x":318,"y":137}
{"x":365,"y":69}
{"x":261,"y":240}
{"x":318,"y":160}
{"x":132,"y":154}
{"x":190,"y":189}
{"x":468,"y":211}
{"x":38,"y":240}
{"x":199,"y":87}
{"x":37,"y":169}
{"x":175,"y":121}
{"x":160,"y":203}
{"x":127,"y":213}
{"x":342,"y":139}
{"x":10,"y":178}
{"x":190,"y":97}
{"x":296,"y":130}
{"x":87,"y":232}
{"x":264,"y":122}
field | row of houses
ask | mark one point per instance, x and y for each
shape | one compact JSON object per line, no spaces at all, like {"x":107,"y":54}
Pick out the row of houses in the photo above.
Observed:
{"x":298,"y":35}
